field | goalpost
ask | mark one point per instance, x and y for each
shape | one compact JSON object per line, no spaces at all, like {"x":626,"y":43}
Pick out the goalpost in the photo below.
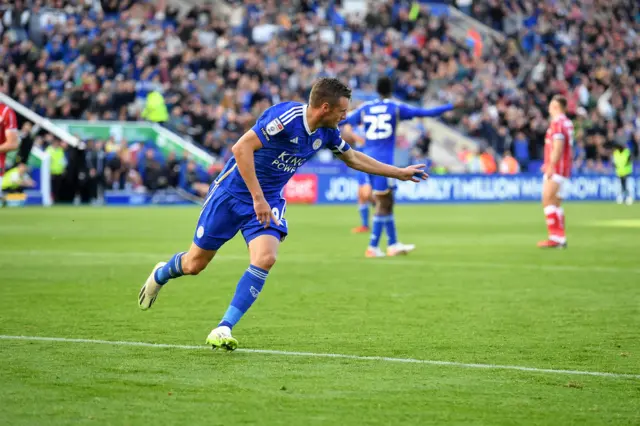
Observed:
{"x":44,"y":192}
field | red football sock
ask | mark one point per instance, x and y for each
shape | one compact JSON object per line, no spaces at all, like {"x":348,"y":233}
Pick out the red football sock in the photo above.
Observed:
{"x":561,"y":222}
{"x":554,"y":224}
{"x":552,"y":219}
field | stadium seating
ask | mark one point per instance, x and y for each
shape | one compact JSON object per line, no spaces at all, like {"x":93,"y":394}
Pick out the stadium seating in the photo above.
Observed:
{"x":218,"y":68}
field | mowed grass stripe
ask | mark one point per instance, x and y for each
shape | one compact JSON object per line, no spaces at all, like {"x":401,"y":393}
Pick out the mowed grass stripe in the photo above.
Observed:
{"x":66,"y":257}
{"x":330,"y":355}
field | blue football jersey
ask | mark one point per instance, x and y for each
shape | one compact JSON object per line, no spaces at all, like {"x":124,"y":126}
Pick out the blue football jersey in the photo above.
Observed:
{"x":287,"y":143}
{"x":359,"y":131}
{"x":380,"y":119}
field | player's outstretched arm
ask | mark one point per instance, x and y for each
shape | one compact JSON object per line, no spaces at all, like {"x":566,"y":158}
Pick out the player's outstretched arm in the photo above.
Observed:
{"x":350,"y":136}
{"x":359,"y":161}
{"x":408,"y":112}
{"x":432,"y":112}
{"x":243,"y":152}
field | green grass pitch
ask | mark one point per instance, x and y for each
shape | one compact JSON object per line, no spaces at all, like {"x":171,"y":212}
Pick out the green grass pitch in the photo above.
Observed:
{"x":476,"y":291}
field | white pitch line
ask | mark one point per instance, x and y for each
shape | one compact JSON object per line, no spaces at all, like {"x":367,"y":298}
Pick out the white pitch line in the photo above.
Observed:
{"x":134,"y":257}
{"x":329,"y":355}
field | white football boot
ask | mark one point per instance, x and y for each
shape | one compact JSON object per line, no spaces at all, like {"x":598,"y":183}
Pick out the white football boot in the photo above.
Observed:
{"x":398,"y":249}
{"x":374,"y":252}
{"x":221,"y":338}
{"x":150,"y":289}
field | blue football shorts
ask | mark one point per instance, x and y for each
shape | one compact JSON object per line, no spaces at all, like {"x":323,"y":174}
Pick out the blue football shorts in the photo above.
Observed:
{"x":223,"y":215}
{"x":363,"y":179}
{"x":381,"y":184}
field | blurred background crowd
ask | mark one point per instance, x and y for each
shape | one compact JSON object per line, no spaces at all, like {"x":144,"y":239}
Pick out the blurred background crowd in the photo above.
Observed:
{"x":207,"y":74}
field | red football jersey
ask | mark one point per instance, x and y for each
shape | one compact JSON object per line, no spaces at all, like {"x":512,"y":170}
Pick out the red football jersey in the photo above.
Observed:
{"x":560,"y":128}
{"x":8,"y":122}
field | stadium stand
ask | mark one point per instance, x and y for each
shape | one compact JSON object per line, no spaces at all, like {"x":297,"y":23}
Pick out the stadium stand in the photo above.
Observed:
{"x":587,"y":51}
{"x":206,"y":71}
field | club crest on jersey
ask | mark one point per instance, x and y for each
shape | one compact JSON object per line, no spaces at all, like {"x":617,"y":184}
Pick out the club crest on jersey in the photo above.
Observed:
{"x":274,"y":127}
{"x":317,"y":144}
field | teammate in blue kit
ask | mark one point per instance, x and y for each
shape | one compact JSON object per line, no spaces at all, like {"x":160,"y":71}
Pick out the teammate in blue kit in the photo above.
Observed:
{"x":355,"y":136}
{"x":365,"y":197}
{"x":380,"y":118}
{"x":247,"y":196}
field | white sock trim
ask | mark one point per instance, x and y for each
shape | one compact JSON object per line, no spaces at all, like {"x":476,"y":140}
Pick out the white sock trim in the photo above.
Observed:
{"x":558,"y":239}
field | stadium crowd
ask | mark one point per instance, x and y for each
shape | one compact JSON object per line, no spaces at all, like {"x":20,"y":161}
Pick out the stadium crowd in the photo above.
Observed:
{"x":588,"y":51}
{"x":209,"y":74}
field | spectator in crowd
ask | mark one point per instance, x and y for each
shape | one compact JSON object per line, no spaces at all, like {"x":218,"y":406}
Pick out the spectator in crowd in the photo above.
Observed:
{"x":173,"y":170}
{"x":155,"y":175}
{"x":194,"y":184}
{"x":58,"y":158}
{"x":521,"y":151}
{"x":120,"y":172}
{"x":95,"y":159}
{"x":509,"y":165}
{"x":218,"y":67}
{"x":423,"y":145}
{"x":17,"y":180}
{"x":587,"y":51}
{"x":155,"y":109}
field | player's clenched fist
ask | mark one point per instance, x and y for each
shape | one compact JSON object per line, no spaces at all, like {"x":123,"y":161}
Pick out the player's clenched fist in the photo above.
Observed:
{"x":413,"y":173}
{"x":264,"y":213}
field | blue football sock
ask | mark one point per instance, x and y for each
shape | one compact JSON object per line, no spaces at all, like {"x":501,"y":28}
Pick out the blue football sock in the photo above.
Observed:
{"x":378,"y":224}
{"x":364,"y":214}
{"x":390,"y":226}
{"x":247,"y":292}
{"x":173,"y":269}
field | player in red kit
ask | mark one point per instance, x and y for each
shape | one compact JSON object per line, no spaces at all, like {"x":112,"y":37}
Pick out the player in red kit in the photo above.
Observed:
{"x":558,"y":143}
{"x":8,"y":136}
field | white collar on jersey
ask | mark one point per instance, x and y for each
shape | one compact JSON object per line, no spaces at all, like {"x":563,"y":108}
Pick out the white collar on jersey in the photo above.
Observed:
{"x":304,"y":120}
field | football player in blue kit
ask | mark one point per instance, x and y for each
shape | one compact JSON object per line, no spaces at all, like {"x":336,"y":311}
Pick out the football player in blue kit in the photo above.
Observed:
{"x":380,"y":118}
{"x":355,"y":136}
{"x":247,"y":195}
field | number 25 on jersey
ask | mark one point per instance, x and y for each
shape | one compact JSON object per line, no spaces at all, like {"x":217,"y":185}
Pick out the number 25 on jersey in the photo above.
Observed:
{"x":378,"y":126}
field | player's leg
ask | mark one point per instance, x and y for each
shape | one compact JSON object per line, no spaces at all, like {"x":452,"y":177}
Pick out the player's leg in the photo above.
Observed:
{"x":263,"y":246}
{"x":561,"y":235}
{"x":384,"y":221}
{"x":629,"y":191}
{"x":381,"y":197}
{"x":564,"y":186}
{"x":191,"y":262}
{"x":364,"y":200}
{"x":626,"y":193}
{"x":623,"y":189}
{"x":394,"y":247}
{"x":217,"y":224}
{"x":262,"y":252}
{"x":554,"y":214}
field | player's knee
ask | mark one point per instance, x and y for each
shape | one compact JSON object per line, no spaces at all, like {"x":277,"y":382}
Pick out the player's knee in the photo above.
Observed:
{"x":265,"y":260}
{"x":193,"y":265}
{"x":548,"y":198}
{"x":364,"y":195}
{"x":384,"y":205}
